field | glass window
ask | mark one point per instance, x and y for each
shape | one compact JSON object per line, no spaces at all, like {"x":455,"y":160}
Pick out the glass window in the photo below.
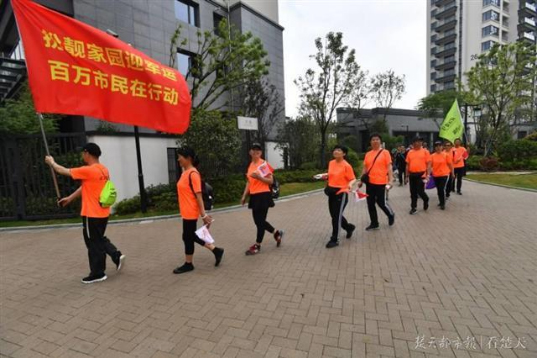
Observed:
{"x":491,"y":15}
{"x":485,"y":46}
{"x":491,"y":2}
{"x":187,"y":12}
{"x":183,"y":63}
{"x":490,"y":31}
{"x":216,"y":22}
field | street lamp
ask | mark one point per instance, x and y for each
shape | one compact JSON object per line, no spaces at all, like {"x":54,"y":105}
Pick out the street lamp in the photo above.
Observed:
{"x":143,"y":196}
{"x":477,"y":113}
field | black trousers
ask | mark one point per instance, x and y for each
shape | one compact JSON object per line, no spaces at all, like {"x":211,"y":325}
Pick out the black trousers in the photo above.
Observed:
{"x":401,"y":175}
{"x":260,"y":220}
{"x":189,"y":236}
{"x":97,"y":244}
{"x":377,"y":195}
{"x":336,"y":205}
{"x":417,"y":188}
{"x":457,"y":181}
{"x":441,"y":188}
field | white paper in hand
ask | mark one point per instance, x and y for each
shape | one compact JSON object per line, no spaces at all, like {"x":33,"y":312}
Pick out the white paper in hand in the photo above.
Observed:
{"x":204,"y":234}
{"x":263,"y":169}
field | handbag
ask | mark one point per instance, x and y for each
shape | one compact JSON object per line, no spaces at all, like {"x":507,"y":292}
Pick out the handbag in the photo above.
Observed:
{"x":365,"y":177}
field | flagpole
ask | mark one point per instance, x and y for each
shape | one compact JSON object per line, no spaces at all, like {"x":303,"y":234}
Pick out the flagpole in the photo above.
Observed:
{"x":54,"y":179}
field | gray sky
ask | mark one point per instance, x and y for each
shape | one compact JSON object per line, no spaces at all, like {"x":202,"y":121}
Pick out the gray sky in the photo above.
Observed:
{"x":386,"y":34}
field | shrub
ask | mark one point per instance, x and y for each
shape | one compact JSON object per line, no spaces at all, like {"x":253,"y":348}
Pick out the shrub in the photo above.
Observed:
{"x":308,"y":166}
{"x":228,"y":190}
{"x":353,"y":159}
{"x":128,"y":206}
{"x":517,"y":150}
{"x":489,"y":163}
{"x":532,"y":136}
{"x":474,"y":162}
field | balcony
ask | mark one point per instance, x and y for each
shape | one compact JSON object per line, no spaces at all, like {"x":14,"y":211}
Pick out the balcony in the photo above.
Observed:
{"x":447,"y":76}
{"x":448,"y":10}
{"x":445,"y":51}
{"x":440,"y":3}
{"x":446,"y":64}
{"x":446,"y":37}
{"x":445,"y":24}
{"x":531,"y":7}
{"x":529,"y":36}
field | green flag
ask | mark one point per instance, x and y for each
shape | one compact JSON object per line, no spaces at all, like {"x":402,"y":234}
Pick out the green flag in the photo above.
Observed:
{"x":452,"y":127}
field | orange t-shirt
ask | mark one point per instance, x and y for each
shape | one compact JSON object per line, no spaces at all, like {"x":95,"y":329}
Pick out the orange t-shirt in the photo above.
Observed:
{"x":417,"y":160}
{"x":460,"y":155}
{"x":93,"y":179}
{"x":379,"y":171}
{"x":340,"y":174}
{"x":257,"y":186}
{"x":440,"y":163}
{"x":188,"y":204}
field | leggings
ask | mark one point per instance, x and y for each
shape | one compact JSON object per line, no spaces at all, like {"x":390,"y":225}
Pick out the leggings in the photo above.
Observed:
{"x":377,"y":195}
{"x":189,"y":236}
{"x":441,"y":188}
{"x":260,"y":220}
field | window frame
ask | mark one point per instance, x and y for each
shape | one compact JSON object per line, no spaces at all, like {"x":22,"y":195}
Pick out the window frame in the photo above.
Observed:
{"x":190,"y":5}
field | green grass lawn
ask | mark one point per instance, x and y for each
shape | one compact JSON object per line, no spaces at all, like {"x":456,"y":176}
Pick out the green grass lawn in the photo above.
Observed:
{"x":285,"y":190}
{"x":528,"y":181}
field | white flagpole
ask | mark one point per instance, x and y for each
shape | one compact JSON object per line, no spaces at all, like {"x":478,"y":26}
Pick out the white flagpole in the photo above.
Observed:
{"x":54,"y":179}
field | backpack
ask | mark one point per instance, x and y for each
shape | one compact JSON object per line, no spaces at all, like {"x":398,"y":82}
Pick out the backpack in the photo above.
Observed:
{"x":108,"y":194}
{"x":275,"y":188}
{"x":206,"y":192}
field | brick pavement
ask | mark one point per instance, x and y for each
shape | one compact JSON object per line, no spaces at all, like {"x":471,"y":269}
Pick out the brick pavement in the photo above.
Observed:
{"x":469,"y":272}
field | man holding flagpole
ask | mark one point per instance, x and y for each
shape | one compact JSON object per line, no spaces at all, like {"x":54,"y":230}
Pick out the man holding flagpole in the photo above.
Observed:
{"x":93,"y":176}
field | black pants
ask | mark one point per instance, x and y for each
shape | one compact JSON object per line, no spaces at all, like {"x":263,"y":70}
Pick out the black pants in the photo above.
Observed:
{"x":417,"y":188}
{"x":377,"y":195}
{"x":260,"y":220}
{"x":97,"y":244}
{"x":401,"y":175}
{"x":336,"y":205}
{"x":441,"y":188}
{"x":189,"y":236}
{"x":459,"y":173}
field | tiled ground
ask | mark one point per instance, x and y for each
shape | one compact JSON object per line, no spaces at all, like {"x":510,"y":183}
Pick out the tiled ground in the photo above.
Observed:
{"x":467,"y":274}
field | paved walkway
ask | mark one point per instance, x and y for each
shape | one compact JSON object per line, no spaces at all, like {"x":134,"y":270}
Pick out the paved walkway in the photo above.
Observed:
{"x":467,"y":274}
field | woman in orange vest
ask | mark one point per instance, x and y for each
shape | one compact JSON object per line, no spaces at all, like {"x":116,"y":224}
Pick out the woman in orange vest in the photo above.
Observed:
{"x":442,"y":165}
{"x":460,"y":154}
{"x":191,"y":208}
{"x":340,"y":178}
{"x":259,"y":176}
{"x":418,"y":169}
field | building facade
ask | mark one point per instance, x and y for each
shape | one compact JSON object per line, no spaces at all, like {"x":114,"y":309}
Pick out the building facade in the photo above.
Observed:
{"x":458,"y":31}
{"x":148,"y":25}
{"x":404,"y":123}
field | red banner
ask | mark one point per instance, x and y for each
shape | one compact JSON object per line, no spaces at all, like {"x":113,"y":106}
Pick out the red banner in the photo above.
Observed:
{"x":76,"y":69}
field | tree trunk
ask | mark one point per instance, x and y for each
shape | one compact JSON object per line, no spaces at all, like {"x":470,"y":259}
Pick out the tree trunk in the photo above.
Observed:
{"x":323,"y":148}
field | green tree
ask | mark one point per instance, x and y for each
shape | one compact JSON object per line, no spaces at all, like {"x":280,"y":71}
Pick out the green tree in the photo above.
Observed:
{"x":300,"y":138}
{"x":503,"y":80}
{"x":387,"y":88}
{"x":338,"y":81}
{"x":216,"y":140}
{"x":438,"y":104}
{"x":260,"y":99}
{"x":17,"y":116}
{"x":224,"y":61}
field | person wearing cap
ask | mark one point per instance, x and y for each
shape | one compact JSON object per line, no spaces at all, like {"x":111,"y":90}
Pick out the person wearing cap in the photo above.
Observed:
{"x":259,"y":179}
{"x":341,"y":179}
{"x":418,"y":170}
{"x":93,"y":176}
{"x":400,"y":163}
{"x":378,"y":167}
{"x":460,"y":154}
{"x":191,"y":207}
{"x":442,"y":167}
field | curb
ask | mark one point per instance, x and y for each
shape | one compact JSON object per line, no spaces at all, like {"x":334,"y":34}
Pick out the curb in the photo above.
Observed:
{"x":502,"y":186}
{"x":150,"y":218}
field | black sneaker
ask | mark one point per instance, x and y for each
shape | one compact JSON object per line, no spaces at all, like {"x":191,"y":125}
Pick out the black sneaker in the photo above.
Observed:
{"x":119,"y":260}
{"x":443,"y":207}
{"x":278,"y":236}
{"x":350,"y":231}
{"x":425,"y":205}
{"x":372,"y":227}
{"x":332,"y":244}
{"x":94,"y":278}
{"x":391,"y":220}
{"x":459,"y":193}
{"x":187,"y":267}
{"x":218,"y":253}
{"x":413,"y":211}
